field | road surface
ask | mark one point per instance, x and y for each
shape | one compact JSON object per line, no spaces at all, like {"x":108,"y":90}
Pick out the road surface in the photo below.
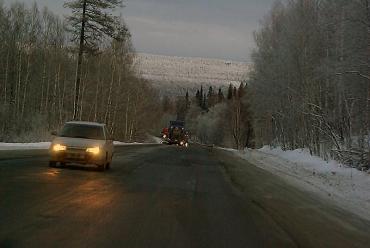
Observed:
{"x":162,"y":196}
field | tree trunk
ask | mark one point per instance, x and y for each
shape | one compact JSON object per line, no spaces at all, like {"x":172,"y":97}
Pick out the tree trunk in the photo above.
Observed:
{"x":84,"y":83}
{"x":126,"y":115}
{"x":112,"y":131}
{"x":61,"y":100}
{"x":42,"y":108}
{"x":25,"y":86}
{"x":97,"y":91}
{"x":109,"y":102}
{"x":6,"y":77}
{"x":96,"y":101}
{"x":18,"y":84}
{"x":79,"y":63}
{"x":367,"y":123}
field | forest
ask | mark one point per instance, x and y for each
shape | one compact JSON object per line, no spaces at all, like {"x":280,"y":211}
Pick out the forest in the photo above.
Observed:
{"x":311,"y":80}
{"x":39,"y":51}
{"x":214,"y":117}
{"x":309,"y":86}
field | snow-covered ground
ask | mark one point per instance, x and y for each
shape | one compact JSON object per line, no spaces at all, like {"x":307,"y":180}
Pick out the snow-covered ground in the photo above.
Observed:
{"x":175,"y":75}
{"x":24,"y":146}
{"x":346,"y":187}
{"x":156,"y":140}
{"x":119,"y":143}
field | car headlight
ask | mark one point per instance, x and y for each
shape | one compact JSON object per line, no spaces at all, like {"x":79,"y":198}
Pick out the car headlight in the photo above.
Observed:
{"x":59,"y":148}
{"x":93,"y":150}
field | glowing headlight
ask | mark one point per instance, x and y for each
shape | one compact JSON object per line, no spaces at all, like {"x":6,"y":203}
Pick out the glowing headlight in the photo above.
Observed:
{"x":93,"y":150}
{"x":59,"y":148}
{"x":164,"y":136}
{"x":182,"y":143}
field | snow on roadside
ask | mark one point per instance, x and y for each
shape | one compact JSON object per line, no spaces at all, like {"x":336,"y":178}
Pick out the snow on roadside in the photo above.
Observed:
{"x":119,"y":143}
{"x":24,"y":146}
{"x":46,"y":145}
{"x":346,"y":187}
{"x":156,"y":140}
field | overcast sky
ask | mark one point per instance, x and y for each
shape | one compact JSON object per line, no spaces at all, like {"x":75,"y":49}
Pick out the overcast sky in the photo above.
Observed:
{"x":191,"y":28}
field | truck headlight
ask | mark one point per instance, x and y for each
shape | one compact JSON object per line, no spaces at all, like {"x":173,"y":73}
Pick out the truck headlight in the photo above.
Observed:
{"x":59,"y":148}
{"x":93,"y":150}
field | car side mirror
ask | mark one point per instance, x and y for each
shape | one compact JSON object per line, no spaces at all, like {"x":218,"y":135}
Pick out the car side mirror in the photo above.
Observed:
{"x":54,"y":133}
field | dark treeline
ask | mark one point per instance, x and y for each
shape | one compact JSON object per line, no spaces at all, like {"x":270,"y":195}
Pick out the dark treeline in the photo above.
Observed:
{"x":311,"y":78}
{"x":37,"y":79}
{"x":213,"y":117}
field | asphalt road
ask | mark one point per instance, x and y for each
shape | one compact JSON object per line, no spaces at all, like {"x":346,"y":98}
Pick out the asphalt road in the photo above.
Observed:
{"x":162,"y":196}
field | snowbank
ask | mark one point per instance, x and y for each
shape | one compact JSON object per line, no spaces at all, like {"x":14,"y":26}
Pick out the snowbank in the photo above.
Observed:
{"x":119,"y":143}
{"x":157,"y":140}
{"x":346,"y":187}
{"x":24,"y":146}
{"x":46,"y":145}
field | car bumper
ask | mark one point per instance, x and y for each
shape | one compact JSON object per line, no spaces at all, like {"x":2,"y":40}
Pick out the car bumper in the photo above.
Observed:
{"x":80,"y":157}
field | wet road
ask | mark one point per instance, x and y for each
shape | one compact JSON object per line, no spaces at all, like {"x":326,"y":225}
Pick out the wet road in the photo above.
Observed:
{"x":161,"y":196}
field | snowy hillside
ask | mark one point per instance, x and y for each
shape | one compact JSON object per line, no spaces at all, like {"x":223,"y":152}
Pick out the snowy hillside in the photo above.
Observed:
{"x":175,"y":75}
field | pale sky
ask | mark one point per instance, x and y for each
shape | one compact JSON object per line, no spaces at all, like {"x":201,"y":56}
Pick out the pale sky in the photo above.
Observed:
{"x":190,"y":28}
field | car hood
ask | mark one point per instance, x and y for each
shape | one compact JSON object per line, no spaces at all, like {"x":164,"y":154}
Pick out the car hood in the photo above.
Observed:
{"x":78,"y":142}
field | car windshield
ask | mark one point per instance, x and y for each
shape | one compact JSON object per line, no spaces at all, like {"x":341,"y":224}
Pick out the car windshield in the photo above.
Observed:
{"x":82,"y":131}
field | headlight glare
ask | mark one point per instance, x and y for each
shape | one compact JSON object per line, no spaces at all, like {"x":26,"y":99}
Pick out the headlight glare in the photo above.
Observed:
{"x":93,"y":150}
{"x":59,"y":148}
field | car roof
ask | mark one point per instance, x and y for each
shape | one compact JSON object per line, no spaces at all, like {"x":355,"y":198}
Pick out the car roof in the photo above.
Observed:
{"x":86,"y":123}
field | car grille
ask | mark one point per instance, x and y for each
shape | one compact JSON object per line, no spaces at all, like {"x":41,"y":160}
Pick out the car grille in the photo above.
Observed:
{"x":75,"y":153}
{"x":76,"y":149}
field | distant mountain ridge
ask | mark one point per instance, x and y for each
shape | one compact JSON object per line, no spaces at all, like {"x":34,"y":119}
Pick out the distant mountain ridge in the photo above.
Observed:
{"x":175,"y":75}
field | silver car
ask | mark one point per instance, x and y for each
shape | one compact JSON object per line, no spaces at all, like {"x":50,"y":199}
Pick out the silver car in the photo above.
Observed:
{"x":82,"y":143}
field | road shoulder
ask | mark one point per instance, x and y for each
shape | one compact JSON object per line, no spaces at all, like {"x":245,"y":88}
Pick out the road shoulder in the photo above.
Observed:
{"x":311,"y":219}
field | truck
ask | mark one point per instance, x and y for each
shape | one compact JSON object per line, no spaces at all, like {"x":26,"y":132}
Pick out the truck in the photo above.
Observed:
{"x":176,"y":134}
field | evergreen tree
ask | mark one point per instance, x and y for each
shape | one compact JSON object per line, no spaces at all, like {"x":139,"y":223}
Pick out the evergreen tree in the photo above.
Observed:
{"x":200,"y":97}
{"x":197,"y":96}
{"x":220,"y":96}
{"x":230,"y":92}
{"x":204,"y":103}
{"x":241,"y":90}
{"x":210,"y":91}
{"x":91,"y":21}
{"x":235,"y":92}
{"x":212,"y":98}
{"x":187,"y":100}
